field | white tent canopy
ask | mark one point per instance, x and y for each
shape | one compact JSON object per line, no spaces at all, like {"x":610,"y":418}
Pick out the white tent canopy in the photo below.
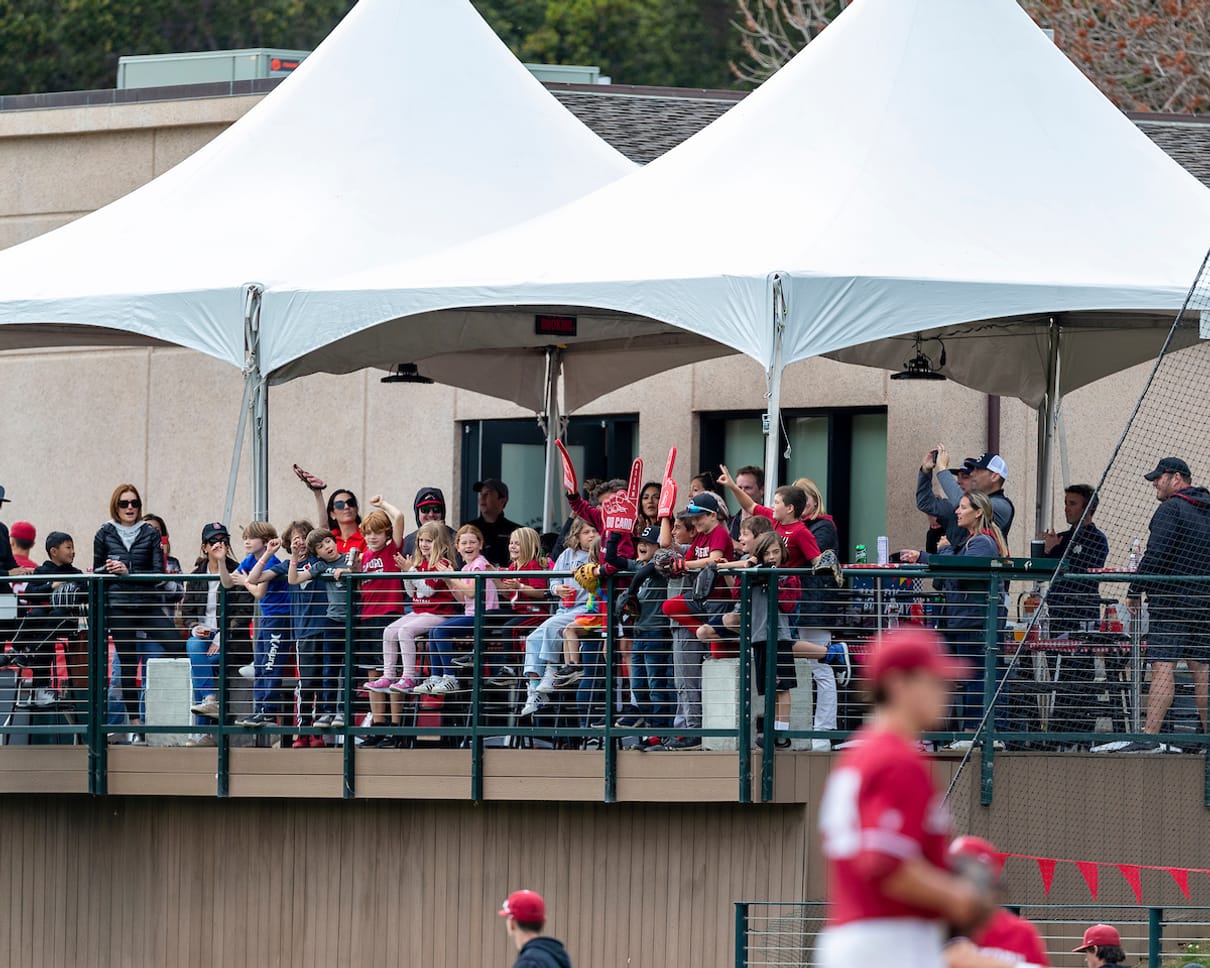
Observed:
{"x":923,"y":164}
{"x":375,"y":148}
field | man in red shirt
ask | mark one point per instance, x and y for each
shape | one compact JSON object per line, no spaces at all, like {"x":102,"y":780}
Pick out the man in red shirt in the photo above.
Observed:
{"x":1006,"y":938}
{"x":884,"y":824}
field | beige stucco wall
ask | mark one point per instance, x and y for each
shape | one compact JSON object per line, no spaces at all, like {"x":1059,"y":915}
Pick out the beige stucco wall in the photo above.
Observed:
{"x":78,"y":422}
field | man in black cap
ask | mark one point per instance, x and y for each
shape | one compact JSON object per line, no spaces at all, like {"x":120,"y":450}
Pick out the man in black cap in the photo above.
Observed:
{"x":8,"y":564}
{"x":496,"y":528}
{"x":1178,"y":544}
{"x":428,"y":506}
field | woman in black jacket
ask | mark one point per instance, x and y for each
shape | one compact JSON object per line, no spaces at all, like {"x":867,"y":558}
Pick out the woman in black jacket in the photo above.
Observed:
{"x":135,"y":618}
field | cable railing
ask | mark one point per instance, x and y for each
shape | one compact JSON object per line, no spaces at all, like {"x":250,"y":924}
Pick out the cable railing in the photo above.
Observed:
{"x":99,"y":661}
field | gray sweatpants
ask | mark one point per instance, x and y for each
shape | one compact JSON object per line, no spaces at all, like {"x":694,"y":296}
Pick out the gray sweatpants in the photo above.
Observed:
{"x":687,"y":656}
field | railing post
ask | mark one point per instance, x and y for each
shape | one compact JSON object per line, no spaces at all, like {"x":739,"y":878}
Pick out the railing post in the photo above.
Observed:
{"x":477,"y":691}
{"x":741,"y":934}
{"x":770,"y":646}
{"x":611,"y":754}
{"x":991,"y":660}
{"x":349,"y":744}
{"x":744,"y":718}
{"x":222,"y":776}
{"x":95,"y":735}
{"x":101,"y":779}
{"x":1155,"y":934}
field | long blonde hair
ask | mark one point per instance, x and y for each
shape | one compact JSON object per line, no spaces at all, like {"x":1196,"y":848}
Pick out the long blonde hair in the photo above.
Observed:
{"x":530,"y":543}
{"x":987,"y":520}
{"x":812,"y":491}
{"x":439,"y":534}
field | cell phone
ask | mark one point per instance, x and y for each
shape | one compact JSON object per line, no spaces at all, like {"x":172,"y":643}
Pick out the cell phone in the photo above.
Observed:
{"x":933,"y":455}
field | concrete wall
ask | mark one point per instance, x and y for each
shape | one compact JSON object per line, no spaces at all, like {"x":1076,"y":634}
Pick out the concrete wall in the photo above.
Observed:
{"x":79,"y":422}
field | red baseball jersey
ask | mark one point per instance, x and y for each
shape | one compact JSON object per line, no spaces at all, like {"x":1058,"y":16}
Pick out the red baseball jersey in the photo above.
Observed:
{"x":801,"y":546}
{"x":1012,"y":938}
{"x":879,"y":809}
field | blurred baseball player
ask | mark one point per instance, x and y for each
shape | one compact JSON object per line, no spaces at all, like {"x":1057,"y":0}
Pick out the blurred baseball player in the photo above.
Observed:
{"x":884,"y":824}
{"x":1005,"y":938}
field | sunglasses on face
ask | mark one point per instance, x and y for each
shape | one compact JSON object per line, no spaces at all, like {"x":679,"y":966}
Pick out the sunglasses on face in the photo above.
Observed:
{"x":341,"y":505}
{"x":136,"y":503}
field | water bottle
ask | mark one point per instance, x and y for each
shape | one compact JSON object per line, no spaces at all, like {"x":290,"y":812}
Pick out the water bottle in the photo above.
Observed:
{"x":1132,"y":563}
{"x":884,"y":549}
{"x":859,"y":559}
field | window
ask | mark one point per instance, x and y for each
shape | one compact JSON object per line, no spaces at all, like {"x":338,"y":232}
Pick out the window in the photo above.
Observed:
{"x":515,"y":452}
{"x":843,"y":451}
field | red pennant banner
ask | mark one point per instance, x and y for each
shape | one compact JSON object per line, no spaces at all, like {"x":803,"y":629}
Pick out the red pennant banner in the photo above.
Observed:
{"x":1092,"y":876}
{"x":1181,"y":876}
{"x":1046,"y":867}
{"x":1134,"y":877}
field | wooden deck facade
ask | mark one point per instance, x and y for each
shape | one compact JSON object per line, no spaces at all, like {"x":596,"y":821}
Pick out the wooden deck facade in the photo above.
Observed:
{"x":285,"y":872}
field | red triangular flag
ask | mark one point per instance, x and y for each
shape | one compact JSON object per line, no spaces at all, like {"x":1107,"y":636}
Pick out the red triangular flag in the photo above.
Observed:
{"x":1091,"y":876}
{"x":1046,"y":867}
{"x":1181,"y":876}
{"x":1133,"y":877}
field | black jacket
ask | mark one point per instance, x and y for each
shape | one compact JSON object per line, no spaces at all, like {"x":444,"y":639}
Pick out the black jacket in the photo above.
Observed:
{"x":240,"y":604}
{"x":1179,"y":544}
{"x":543,"y":952}
{"x":1071,"y":602}
{"x":145,"y":557}
{"x":820,"y":596}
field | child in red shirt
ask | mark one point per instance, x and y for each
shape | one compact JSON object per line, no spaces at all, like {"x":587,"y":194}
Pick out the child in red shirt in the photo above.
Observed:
{"x":711,"y":544}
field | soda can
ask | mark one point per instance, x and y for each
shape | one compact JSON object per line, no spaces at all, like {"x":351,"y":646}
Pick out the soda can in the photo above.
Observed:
{"x":884,"y":549}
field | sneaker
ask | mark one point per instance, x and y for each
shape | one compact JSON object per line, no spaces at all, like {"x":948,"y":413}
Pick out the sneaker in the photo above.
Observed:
{"x":683,"y":743}
{"x":503,"y":677}
{"x":372,"y":742}
{"x":427,"y":686}
{"x":1144,"y":746}
{"x":301,"y":742}
{"x":248,"y":672}
{"x":547,"y":685}
{"x":45,"y":697}
{"x":201,"y":741}
{"x":255,"y":721}
{"x":631,"y":720}
{"x":650,"y":743}
{"x":403,"y":684}
{"x":381,"y":684}
{"x":463,"y":661}
{"x":317,"y":743}
{"x":960,"y":745}
{"x":207,"y":708}
{"x":781,"y":742}
{"x":568,"y":675}
{"x":821,"y":746}
{"x":838,"y":655}
{"x":338,"y":721}
{"x":445,"y":684}
{"x":323,"y":722}
{"x":534,"y":702}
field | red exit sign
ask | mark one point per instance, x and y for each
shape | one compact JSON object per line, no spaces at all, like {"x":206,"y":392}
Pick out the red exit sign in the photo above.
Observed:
{"x":555,"y":325}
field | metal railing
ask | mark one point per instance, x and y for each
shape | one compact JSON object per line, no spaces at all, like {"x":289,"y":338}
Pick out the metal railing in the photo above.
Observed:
{"x":76,"y":670}
{"x":784,"y":934}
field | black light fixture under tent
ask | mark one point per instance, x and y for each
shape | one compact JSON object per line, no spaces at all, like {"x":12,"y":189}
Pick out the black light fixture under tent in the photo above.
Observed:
{"x":921,"y":367}
{"x":405,"y":373}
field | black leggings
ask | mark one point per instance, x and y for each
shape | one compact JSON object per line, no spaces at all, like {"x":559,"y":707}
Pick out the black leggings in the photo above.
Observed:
{"x":124,"y":629}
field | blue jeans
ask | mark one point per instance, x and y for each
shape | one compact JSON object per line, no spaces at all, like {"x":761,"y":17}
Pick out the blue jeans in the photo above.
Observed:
{"x":443,"y":637}
{"x":201,"y":672}
{"x":590,"y":692}
{"x":332,"y":661}
{"x":651,"y":678}
{"x":269,"y":651}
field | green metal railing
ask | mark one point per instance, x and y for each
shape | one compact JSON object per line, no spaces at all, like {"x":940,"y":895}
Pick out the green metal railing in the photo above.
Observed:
{"x":864,"y":611}
{"x":779,"y":933}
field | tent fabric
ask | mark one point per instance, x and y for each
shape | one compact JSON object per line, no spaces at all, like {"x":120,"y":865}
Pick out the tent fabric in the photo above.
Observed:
{"x":923,"y":164}
{"x":378,"y":147}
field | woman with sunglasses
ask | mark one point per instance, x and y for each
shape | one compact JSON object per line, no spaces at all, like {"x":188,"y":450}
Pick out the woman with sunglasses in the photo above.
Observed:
{"x":340,"y":512}
{"x":126,"y":545}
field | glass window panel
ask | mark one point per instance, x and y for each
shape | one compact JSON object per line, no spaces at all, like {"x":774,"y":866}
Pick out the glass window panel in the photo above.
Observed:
{"x":521,"y":468}
{"x":809,"y":451}
{"x":868,"y":483}
{"x":743,"y":444}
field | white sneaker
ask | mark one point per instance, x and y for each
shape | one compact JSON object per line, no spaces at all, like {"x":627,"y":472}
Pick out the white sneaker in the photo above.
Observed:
{"x":338,"y":721}
{"x":961,"y":745}
{"x":547,"y":685}
{"x":445,"y":684}
{"x":821,"y":746}
{"x":45,"y":697}
{"x":248,"y":672}
{"x":427,"y":686}
{"x":534,"y":702}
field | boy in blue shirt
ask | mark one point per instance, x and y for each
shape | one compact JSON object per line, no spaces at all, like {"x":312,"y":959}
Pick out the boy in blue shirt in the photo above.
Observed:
{"x":264,"y":575}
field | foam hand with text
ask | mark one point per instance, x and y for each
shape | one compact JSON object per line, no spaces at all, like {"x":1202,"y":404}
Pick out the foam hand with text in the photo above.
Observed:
{"x":668,"y":488}
{"x":571,"y":484}
{"x":621,"y":509}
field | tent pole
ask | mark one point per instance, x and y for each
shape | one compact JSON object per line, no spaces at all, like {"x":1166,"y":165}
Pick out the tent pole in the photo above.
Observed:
{"x":259,"y":404}
{"x":238,"y":451}
{"x":550,"y":494}
{"x":1047,"y":418}
{"x":772,"y":418}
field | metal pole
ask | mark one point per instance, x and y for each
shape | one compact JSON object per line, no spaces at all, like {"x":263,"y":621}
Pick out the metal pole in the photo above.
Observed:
{"x":1155,"y":936}
{"x":237,"y":452}
{"x":773,"y":388}
{"x":1047,"y":417}
{"x":259,"y":403}
{"x":550,"y":494}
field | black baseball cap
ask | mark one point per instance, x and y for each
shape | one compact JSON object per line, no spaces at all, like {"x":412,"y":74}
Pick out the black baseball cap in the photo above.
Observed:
{"x":649,"y":535}
{"x":492,"y":484}
{"x":1169,"y":465}
{"x":2,"y":497}
{"x":56,"y":538}
{"x":704,"y":503}
{"x":430,"y":496}
{"x":216,"y":529}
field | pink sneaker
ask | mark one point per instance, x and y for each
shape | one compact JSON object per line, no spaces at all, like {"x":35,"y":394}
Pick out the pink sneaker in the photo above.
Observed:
{"x":404,"y":684}
{"x":381,"y":684}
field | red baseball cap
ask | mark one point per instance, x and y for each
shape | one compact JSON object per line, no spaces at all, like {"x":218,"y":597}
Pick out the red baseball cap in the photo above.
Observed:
{"x":1100,"y":936}
{"x":912,"y":650}
{"x":526,"y":906}
{"x":984,"y":851}
{"x":23,"y":531}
